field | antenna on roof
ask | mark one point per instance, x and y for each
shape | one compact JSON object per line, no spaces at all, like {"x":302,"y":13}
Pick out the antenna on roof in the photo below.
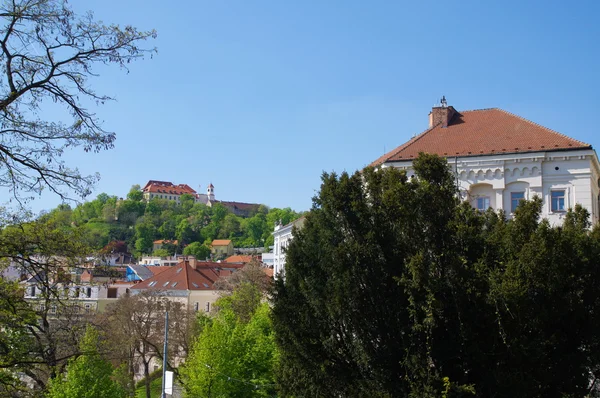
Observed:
{"x":444,"y":102}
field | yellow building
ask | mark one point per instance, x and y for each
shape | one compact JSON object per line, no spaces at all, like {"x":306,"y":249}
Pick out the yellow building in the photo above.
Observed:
{"x":222,"y":248}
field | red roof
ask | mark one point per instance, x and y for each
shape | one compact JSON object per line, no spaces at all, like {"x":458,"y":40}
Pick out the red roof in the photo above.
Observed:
{"x":238,"y":259}
{"x":482,"y":132}
{"x":184,"y":276}
{"x":167,"y":187}
{"x":221,"y":242}
{"x":165,"y":241}
{"x":157,"y":269}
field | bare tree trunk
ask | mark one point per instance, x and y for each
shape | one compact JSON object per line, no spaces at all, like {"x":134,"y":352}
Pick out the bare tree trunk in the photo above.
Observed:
{"x":147,"y":377}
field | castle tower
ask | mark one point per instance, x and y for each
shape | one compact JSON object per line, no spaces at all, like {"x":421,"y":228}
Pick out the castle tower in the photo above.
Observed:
{"x":210,"y":192}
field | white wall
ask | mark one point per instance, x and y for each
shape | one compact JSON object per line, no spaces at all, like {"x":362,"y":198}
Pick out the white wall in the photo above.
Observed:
{"x":537,"y":173}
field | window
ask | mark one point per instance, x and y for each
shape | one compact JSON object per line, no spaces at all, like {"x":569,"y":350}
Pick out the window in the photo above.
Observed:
{"x":196,"y":306}
{"x":207,"y":307}
{"x":557,"y":200}
{"x":515,"y":198}
{"x":53,"y":309}
{"x":483,"y":203}
{"x":32,"y":291}
{"x":88,"y":292}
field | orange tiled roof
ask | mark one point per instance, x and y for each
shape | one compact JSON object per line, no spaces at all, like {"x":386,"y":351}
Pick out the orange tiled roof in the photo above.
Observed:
{"x":161,"y":241}
{"x":238,"y":259}
{"x":167,"y":187}
{"x":482,"y":132}
{"x":185,"y":277}
{"x":157,"y":269}
{"x":221,"y":242}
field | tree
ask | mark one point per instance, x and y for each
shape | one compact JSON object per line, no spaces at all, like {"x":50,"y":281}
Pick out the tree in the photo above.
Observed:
{"x":48,"y":55}
{"x":88,"y":375}
{"x":198,"y":250}
{"x":252,"y":273}
{"x":135,"y":326}
{"x":394,"y":288}
{"x":135,"y":193}
{"x":232,"y":355}
{"x":42,"y":250}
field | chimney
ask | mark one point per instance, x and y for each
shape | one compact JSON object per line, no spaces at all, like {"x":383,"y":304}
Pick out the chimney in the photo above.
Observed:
{"x":192,"y":261}
{"x":441,"y":114}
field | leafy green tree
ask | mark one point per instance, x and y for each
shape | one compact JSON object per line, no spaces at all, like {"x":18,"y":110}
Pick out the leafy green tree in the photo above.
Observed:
{"x":394,"y":288}
{"x":197,"y":250}
{"x":233,"y":356}
{"x":135,"y":193}
{"x":87,"y":376}
{"x":160,"y":253}
{"x":34,"y":341}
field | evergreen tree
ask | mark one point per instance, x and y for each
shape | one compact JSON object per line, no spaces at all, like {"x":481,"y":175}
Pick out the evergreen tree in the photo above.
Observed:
{"x":395,"y":288}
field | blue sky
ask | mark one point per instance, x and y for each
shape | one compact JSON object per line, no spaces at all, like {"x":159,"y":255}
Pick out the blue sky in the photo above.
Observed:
{"x":261,"y":97}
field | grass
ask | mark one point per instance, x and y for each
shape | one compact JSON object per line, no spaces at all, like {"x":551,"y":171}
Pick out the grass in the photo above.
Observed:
{"x":155,"y":389}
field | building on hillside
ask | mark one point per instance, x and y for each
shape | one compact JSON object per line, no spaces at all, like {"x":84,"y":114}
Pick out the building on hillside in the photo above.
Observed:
{"x":169,"y":191}
{"x":165,"y":190}
{"x":500,"y":158}
{"x":191,"y":282}
{"x":282,"y":237}
{"x":158,"y":244}
{"x":159,"y":261}
{"x":221,"y":248}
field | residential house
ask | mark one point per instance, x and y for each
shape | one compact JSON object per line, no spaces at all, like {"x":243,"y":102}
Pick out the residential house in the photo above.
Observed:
{"x":158,"y":244}
{"x":282,"y":237}
{"x":168,"y":261}
{"x":221,"y":248}
{"x":191,"y":282}
{"x":500,"y":158}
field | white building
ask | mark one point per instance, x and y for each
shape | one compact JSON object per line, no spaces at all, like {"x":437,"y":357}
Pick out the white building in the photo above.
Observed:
{"x":500,"y":158}
{"x":282,"y":237}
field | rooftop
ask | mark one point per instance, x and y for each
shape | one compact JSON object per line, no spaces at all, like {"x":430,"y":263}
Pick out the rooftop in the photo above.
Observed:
{"x":482,"y":132}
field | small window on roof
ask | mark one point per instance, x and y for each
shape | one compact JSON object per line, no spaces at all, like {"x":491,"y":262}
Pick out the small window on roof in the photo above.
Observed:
{"x":195,"y":284}
{"x":166,"y":283}
{"x":152,"y":283}
{"x":179,"y":270}
{"x":174,"y":284}
{"x":205,"y":285}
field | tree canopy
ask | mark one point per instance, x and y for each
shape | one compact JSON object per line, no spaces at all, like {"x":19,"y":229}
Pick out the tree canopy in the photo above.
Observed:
{"x":235,"y":354}
{"x":395,"y":288}
{"x":48,"y":56}
{"x":139,"y":223}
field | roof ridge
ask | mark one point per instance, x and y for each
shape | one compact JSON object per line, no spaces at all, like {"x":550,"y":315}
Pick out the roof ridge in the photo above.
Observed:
{"x":479,"y":109}
{"x":543,"y":127}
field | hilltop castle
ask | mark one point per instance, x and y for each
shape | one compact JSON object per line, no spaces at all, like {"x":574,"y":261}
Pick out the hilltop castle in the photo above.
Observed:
{"x":166,"y":190}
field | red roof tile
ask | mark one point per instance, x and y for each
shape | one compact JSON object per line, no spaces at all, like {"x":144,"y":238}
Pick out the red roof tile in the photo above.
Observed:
{"x":167,"y":187}
{"x":482,"y":132}
{"x":238,"y":259}
{"x":185,"y":277}
{"x":221,"y":242}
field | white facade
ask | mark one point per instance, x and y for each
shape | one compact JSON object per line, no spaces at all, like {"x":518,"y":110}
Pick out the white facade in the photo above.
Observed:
{"x":282,"y":237}
{"x":561,"y":178}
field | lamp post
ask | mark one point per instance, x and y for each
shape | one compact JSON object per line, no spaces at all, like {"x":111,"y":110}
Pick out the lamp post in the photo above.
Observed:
{"x":164,"y":370}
